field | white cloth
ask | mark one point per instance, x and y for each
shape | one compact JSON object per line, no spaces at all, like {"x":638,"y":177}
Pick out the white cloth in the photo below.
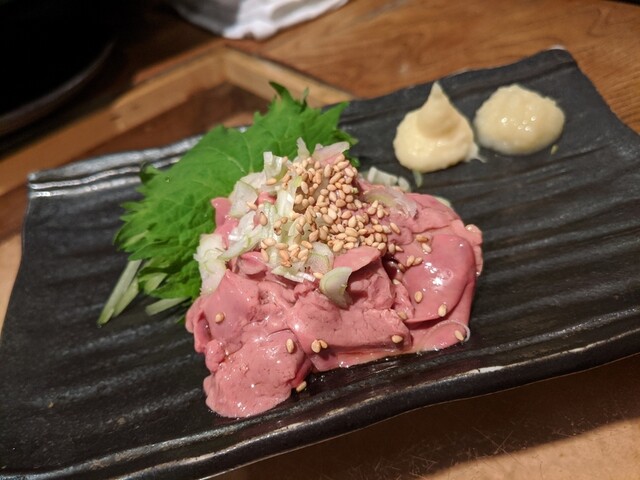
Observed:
{"x":251,"y":18}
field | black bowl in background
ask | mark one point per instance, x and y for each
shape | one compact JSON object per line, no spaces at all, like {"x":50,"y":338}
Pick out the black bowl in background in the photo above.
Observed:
{"x":49,"y":50}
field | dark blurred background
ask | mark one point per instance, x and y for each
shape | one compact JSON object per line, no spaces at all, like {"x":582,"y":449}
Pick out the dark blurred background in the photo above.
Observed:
{"x":65,"y":57}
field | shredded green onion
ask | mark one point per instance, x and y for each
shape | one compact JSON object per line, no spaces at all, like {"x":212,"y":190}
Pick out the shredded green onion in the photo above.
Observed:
{"x":164,"y":304}
{"x":120,"y":292}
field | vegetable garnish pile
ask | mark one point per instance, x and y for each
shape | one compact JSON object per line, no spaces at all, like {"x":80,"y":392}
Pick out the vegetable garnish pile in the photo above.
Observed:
{"x":309,"y":265}
{"x":161,"y":232}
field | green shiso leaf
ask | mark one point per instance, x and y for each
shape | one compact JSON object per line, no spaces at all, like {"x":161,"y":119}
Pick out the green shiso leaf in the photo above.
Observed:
{"x":162,"y":230}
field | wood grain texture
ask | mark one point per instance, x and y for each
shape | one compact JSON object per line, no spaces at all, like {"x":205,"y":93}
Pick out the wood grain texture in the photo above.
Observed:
{"x":10,"y":250}
{"x":372,"y":47}
{"x":165,"y":90}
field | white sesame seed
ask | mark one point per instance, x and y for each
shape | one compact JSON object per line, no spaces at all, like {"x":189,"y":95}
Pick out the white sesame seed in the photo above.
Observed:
{"x":458,"y":334}
{"x":271,"y":181}
{"x":219,"y":317}
{"x":442,"y":310}
{"x":397,"y":338}
{"x":315,"y":346}
{"x":395,"y":228}
{"x":293,"y":247}
{"x":301,"y":386}
{"x":284,"y":255}
{"x":418,"y":296}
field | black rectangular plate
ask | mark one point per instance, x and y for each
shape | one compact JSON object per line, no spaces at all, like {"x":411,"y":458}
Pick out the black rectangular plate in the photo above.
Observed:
{"x":560,"y":293}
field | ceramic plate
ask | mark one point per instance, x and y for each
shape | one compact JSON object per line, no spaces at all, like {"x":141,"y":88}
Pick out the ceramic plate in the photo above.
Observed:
{"x":560,"y":293}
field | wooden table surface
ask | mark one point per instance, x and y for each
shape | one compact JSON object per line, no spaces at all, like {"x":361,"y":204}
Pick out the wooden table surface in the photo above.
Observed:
{"x":585,"y":425}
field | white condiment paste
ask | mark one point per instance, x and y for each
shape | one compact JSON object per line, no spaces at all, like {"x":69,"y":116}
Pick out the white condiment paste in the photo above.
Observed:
{"x":517,"y":121}
{"x":434,"y":137}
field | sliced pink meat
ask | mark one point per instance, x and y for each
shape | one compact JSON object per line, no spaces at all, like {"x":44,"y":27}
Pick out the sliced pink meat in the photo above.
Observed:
{"x":253,"y":369}
{"x":357,"y":258}
{"x":365,"y":329}
{"x":256,"y":377}
{"x":224,"y":222}
{"x":442,"y":276}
